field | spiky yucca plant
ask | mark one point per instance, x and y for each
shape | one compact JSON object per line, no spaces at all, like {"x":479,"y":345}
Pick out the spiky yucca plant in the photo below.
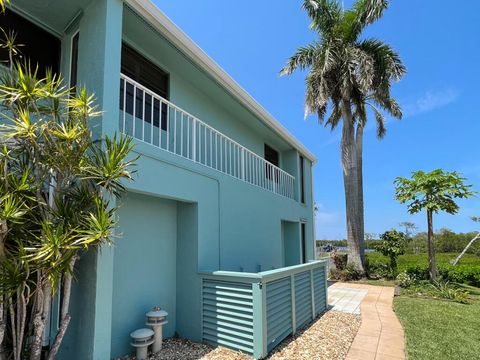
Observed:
{"x":56,"y":184}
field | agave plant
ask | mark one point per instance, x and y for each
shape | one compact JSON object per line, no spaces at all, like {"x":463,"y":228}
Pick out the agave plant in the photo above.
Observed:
{"x":55,"y":186}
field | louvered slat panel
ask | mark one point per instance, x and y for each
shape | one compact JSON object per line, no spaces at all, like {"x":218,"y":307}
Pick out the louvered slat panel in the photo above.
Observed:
{"x":227,"y":314}
{"x":303,"y":299}
{"x":319,"y":290}
{"x":279,"y":311}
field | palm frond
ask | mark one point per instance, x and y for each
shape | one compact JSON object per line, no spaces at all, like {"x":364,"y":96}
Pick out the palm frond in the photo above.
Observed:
{"x":367,"y":12}
{"x":388,"y":64}
{"x":325,"y":15}
{"x":302,"y":59}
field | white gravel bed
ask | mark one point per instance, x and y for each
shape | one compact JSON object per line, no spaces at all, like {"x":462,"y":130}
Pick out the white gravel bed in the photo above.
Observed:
{"x":327,"y":338}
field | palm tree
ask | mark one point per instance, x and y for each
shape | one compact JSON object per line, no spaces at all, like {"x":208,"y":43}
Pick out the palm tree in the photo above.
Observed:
{"x":348,"y":74}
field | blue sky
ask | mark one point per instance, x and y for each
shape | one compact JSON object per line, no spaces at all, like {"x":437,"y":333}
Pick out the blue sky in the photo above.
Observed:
{"x":438,"y":42}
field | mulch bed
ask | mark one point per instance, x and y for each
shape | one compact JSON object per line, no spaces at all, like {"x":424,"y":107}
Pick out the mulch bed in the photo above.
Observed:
{"x":327,"y":338}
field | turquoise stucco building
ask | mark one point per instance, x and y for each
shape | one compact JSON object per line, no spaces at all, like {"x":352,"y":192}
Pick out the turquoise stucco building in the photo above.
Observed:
{"x":223,"y":198}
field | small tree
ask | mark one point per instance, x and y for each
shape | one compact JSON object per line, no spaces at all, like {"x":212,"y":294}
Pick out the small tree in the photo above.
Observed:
{"x":410,"y":228}
{"x":56,"y":183}
{"x":392,"y":245}
{"x":434,"y":191}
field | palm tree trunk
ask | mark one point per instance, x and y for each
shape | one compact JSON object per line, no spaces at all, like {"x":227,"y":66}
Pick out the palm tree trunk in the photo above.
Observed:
{"x":361,"y":210}
{"x":349,"y":165}
{"x":432,"y":266}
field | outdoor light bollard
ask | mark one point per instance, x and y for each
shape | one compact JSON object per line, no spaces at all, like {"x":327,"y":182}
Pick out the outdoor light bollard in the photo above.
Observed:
{"x":156,"y":318}
{"x":141,"y":340}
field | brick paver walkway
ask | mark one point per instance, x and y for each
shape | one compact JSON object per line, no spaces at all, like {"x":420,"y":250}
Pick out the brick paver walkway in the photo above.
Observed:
{"x":380,"y":336}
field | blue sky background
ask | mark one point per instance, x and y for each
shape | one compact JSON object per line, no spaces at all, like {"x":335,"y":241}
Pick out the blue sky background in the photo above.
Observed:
{"x":440,"y":44}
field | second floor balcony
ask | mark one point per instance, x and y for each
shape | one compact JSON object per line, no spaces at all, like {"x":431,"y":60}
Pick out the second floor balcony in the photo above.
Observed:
{"x":152,"y":119}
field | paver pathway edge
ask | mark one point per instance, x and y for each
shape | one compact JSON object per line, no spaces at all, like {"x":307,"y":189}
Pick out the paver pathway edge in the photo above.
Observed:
{"x":381,"y":335}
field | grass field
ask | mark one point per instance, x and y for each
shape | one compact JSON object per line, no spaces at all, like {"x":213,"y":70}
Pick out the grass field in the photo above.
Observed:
{"x":438,"y":329}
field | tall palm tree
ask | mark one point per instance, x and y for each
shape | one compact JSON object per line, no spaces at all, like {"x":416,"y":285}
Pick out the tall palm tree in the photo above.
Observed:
{"x":348,"y":74}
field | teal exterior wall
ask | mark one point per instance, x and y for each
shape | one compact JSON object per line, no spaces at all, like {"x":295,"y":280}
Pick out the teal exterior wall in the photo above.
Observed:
{"x":144,"y":266}
{"x":178,"y":217}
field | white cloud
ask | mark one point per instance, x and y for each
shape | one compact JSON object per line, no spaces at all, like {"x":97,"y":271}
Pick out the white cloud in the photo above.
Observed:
{"x":431,"y":100}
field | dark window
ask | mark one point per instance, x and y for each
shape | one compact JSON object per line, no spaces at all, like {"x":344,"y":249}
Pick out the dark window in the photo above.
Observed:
{"x":39,"y":47}
{"x":147,"y":74}
{"x":74,"y":61}
{"x":302,"y":179}
{"x":304,"y":243}
{"x":271,"y":155}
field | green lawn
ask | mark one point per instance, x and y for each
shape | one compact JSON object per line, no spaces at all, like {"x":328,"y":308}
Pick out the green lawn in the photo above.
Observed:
{"x":437,"y":329}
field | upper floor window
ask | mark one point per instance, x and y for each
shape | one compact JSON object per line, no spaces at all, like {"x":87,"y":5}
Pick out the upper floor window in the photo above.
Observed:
{"x":38,"y":47}
{"x":150,"y":76}
{"x":302,"y":179}
{"x":74,"y":61}
{"x":271,"y":155}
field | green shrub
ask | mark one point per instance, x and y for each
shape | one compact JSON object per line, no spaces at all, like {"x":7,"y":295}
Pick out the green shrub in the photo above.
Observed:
{"x":349,"y":273}
{"x":405,"y":280}
{"x":459,"y":274}
{"x":392,"y":245}
{"x":377,"y":270}
{"x":339,"y":260}
{"x":467,"y":272}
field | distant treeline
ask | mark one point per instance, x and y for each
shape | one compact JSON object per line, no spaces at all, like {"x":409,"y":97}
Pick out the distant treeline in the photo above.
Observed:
{"x":369,"y":244}
{"x":446,"y":241}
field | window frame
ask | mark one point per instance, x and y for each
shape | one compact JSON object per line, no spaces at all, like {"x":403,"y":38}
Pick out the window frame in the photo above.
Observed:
{"x":269,"y":173}
{"x":303,"y":242}
{"x":140,"y":97}
{"x":50,"y":40}
{"x":302,"y":179}
{"x":76,"y":34}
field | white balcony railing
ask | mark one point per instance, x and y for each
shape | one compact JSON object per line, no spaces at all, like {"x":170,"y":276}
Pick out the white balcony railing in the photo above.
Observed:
{"x":160,"y":123}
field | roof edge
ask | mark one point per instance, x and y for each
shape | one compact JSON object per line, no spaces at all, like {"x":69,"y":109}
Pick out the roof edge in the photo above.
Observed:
{"x":173,"y":33}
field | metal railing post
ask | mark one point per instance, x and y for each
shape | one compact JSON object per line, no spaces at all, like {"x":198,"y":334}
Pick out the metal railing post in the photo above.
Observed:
{"x":194,"y":139}
{"x":244,"y":164}
{"x":242,"y":154}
